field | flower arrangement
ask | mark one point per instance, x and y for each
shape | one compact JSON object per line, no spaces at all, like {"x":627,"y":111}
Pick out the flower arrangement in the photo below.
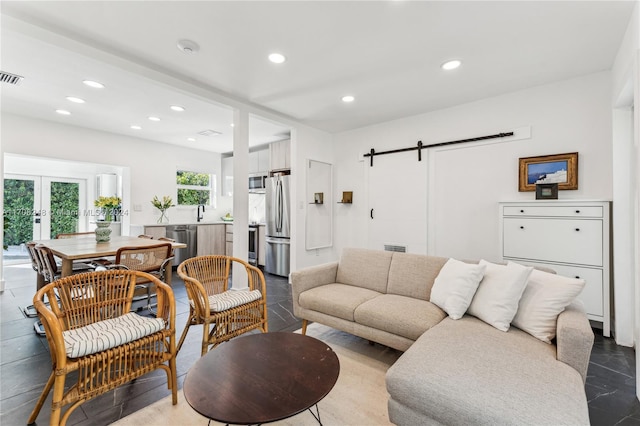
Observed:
{"x":162,"y":205}
{"x":108,"y":206}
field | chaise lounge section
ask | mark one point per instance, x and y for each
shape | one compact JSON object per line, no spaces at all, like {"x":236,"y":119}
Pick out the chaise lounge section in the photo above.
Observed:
{"x":453,"y":371}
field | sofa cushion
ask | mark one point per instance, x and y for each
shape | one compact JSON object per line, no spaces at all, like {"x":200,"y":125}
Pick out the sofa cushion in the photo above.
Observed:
{"x":455,"y":286}
{"x":401,"y":315}
{"x":107,"y":334}
{"x":497,"y":297}
{"x":364,"y":268}
{"x":412,"y":275}
{"x":467,"y":372}
{"x":338,"y":300}
{"x":545,"y":297}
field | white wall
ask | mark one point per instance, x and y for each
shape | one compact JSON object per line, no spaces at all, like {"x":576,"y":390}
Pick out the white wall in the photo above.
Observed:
{"x":152,"y":164}
{"x":626,"y":177}
{"x":307,"y":143}
{"x":465,"y":184}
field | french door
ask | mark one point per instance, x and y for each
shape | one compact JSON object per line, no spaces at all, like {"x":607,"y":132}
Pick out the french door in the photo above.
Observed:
{"x":41,"y":207}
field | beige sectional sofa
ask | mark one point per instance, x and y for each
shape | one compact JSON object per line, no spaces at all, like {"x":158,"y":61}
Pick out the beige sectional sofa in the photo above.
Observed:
{"x":453,"y":372}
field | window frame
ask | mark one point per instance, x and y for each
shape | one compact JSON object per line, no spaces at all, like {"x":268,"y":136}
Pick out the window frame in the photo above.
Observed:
{"x":212,"y":187}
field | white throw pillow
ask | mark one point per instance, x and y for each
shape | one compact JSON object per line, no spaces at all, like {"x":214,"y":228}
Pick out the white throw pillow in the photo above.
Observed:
{"x":545,"y":297}
{"x":496,"y":301}
{"x":455,"y":286}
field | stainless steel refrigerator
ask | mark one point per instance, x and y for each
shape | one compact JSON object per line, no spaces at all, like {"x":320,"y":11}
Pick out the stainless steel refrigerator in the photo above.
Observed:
{"x":278,"y":210}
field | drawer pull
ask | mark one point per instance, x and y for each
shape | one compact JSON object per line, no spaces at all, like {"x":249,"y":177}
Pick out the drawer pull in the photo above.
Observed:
{"x":577,"y":229}
{"x":578,"y":211}
{"x":577,"y":277}
{"x":522,"y":227}
{"x":521,"y":211}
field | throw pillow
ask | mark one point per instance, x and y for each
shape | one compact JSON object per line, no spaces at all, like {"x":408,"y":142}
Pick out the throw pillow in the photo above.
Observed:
{"x":545,"y":297}
{"x":455,"y":286}
{"x":496,"y":301}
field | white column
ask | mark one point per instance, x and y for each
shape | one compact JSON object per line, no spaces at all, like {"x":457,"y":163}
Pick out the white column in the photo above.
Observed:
{"x":240,"y":195}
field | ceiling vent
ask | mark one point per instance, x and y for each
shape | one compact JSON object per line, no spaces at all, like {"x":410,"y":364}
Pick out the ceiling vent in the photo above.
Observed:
{"x":209,"y":132}
{"x":6,"y":77}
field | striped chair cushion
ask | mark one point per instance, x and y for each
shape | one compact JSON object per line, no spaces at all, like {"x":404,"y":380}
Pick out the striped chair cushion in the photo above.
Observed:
{"x":231,"y":298}
{"x":109,"y":333}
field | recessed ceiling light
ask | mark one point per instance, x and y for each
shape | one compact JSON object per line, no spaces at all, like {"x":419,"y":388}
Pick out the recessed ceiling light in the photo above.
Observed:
{"x":152,"y":118}
{"x":277,"y":58}
{"x":63,"y":112}
{"x":188,"y":46}
{"x":348,"y":98}
{"x":74,"y":99}
{"x":451,"y":65}
{"x":191,"y":139}
{"x":93,"y":84}
{"x":177,"y":108}
{"x":136,"y":127}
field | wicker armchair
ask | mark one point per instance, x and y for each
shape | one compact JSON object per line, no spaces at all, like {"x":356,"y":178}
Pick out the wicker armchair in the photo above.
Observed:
{"x":223,"y":313}
{"x":102,"y":300}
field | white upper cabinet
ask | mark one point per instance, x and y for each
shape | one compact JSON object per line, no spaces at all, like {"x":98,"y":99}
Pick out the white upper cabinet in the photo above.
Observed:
{"x":280,"y":155}
{"x":259,"y":161}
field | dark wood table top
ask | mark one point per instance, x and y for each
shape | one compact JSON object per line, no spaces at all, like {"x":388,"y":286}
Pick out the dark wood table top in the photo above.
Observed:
{"x":261,"y":378}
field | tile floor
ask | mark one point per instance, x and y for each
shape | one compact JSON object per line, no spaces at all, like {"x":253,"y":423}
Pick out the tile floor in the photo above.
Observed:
{"x":25,"y":363}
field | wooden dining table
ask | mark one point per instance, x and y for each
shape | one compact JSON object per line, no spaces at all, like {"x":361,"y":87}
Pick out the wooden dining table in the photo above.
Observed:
{"x":73,"y":249}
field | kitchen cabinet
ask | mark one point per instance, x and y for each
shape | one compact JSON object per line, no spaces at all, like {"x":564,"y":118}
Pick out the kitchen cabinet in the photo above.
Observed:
{"x":229,"y":239}
{"x":212,"y":239}
{"x":262,"y":245}
{"x":570,"y":237}
{"x":280,"y":155}
{"x":259,"y":161}
{"x":227,"y":176}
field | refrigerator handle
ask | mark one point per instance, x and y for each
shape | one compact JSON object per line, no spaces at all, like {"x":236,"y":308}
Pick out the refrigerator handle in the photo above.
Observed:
{"x":279,"y":207}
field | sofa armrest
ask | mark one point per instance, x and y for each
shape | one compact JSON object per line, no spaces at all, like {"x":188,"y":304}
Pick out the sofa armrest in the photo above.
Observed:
{"x":574,"y":338}
{"x":308,"y":278}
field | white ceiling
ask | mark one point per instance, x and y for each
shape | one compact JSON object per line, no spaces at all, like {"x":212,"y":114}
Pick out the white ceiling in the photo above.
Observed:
{"x":385,"y":53}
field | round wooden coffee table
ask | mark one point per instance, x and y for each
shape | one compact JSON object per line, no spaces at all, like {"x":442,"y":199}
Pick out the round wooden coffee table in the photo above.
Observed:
{"x":261,"y":378}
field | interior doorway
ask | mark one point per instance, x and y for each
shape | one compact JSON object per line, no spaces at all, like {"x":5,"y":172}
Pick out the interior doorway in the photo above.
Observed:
{"x":38,"y":208}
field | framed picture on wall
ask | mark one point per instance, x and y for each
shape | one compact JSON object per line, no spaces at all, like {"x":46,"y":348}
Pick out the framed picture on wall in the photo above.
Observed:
{"x":559,"y":168}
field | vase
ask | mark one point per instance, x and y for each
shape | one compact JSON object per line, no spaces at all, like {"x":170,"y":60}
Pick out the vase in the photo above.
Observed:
{"x":163,"y":217}
{"x":103,"y":232}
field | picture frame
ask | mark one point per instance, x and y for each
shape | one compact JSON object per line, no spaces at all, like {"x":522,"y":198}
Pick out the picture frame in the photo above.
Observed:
{"x":546,"y":191}
{"x":558,"y":168}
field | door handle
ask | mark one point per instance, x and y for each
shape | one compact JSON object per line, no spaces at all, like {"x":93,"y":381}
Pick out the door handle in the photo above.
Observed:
{"x":371,"y":213}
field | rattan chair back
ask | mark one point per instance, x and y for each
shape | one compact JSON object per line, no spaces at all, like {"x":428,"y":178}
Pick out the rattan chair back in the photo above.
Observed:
{"x":145,"y":259}
{"x":206,"y":276}
{"x":76,"y":235}
{"x":49,"y":267}
{"x":85,"y":299}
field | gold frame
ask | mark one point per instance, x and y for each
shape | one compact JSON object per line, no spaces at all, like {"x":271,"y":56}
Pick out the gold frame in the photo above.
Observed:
{"x":572,"y":170}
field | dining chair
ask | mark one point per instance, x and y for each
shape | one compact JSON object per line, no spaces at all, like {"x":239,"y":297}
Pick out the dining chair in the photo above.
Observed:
{"x":30,"y":311}
{"x":76,"y":235}
{"x":96,"y":344}
{"x":223,"y":313}
{"x":152,"y":259}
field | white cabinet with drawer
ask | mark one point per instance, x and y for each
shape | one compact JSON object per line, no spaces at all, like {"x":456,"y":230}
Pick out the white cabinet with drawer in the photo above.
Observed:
{"x":571,"y":237}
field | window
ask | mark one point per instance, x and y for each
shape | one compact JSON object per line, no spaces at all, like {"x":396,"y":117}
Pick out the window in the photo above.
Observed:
{"x":195,"y":188}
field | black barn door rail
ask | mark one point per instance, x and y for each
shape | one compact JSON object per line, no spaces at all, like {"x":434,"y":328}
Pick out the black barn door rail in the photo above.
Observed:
{"x":420,"y":146}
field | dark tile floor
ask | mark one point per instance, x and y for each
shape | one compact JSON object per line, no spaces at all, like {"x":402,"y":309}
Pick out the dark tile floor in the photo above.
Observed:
{"x":25,"y":363}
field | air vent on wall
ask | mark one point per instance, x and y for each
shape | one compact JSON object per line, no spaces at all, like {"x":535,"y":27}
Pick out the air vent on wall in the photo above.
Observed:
{"x":209,"y":132}
{"x":9,"y":78}
{"x":395,"y":247}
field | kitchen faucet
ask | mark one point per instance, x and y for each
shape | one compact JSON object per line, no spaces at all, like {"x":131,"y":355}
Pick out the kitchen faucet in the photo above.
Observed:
{"x":200,"y":217}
